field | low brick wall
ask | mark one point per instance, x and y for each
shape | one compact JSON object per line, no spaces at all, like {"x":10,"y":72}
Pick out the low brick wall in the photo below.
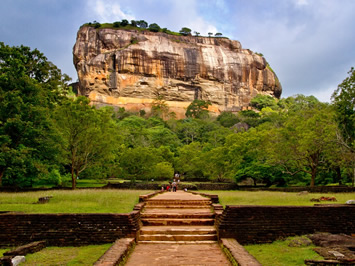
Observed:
{"x":217,"y":186}
{"x":317,"y":189}
{"x":67,"y":229}
{"x":263,"y":224}
{"x":214,"y":198}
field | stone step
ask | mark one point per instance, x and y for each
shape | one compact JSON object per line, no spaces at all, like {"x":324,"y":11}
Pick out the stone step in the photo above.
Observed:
{"x":171,"y":206}
{"x":178,"y":202}
{"x":177,"y":215}
{"x":175,"y":211}
{"x":178,"y":242}
{"x":180,"y":230}
{"x":165,"y":237}
{"x":176,"y":221}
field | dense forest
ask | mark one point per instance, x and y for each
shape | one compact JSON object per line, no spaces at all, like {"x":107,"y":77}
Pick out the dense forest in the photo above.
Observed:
{"x":49,"y":136}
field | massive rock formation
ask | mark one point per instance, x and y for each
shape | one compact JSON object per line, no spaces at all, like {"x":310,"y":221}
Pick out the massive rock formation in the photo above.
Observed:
{"x":131,"y":68}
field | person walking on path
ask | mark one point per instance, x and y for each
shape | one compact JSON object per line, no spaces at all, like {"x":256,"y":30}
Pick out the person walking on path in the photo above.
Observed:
{"x":174,"y":186}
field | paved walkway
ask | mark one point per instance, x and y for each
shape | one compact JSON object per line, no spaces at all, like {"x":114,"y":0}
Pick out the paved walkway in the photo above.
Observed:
{"x":178,"y":195}
{"x":176,"y":254}
{"x":179,"y":210}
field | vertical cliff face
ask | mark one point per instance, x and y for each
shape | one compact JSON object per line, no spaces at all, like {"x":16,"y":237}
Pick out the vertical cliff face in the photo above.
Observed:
{"x":130,"y":69}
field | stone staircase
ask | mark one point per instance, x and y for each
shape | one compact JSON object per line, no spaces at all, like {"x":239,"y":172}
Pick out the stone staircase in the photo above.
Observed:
{"x":177,"y":221}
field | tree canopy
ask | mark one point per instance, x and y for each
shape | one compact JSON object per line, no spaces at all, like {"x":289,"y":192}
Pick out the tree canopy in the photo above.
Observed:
{"x":30,"y":87}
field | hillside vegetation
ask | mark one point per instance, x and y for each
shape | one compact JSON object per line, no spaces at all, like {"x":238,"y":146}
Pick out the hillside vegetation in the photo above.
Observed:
{"x":141,"y":25}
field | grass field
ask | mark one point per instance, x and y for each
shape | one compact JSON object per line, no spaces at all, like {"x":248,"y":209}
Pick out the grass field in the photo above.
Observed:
{"x":279,"y":253}
{"x":86,"y":255}
{"x":2,"y":251}
{"x":275,"y":198}
{"x":123,"y":201}
{"x":68,"y":201}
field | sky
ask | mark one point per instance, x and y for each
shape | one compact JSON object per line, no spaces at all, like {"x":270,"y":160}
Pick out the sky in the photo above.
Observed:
{"x":310,"y":44}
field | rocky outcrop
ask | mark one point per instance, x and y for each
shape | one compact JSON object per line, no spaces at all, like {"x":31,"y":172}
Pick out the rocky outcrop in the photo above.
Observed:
{"x":131,"y":68}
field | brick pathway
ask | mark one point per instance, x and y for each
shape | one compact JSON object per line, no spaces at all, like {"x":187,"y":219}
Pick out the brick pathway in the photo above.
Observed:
{"x":177,"y":230}
{"x":177,"y":254}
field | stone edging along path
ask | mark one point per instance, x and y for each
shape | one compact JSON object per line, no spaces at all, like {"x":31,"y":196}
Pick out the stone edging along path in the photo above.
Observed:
{"x":178,"y":228}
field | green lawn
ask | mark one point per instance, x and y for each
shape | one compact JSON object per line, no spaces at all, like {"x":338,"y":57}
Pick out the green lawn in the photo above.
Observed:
{"x":276,"y":198}
{"x":68,"y":201}
{"x":279,"y":253}
{"x":86,"y":255}
{"x":2,"y":251}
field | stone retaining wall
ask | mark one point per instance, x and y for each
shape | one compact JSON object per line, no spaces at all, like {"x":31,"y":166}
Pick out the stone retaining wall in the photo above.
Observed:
{"x":67,"y":229}
{"x":262,"y":224}
{"x":317,"y":189}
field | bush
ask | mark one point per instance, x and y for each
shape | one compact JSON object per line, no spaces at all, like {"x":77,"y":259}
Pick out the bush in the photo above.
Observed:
{"x":154,"y":27}
{"x":124,"y":22}
{"x":97,"y":25}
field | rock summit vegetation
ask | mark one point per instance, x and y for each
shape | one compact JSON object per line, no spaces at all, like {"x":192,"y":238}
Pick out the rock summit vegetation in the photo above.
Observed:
{"x":141,"y":25}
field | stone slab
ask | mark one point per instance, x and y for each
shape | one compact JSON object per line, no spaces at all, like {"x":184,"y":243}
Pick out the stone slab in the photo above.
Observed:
{"x":239,"y":253}
{"x":28,"y":248}
{"x":115,"y":254}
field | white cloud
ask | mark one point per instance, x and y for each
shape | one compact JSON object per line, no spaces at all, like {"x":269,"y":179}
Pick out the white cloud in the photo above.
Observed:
{"x":302,"y":2}
{"x":107,"y":10}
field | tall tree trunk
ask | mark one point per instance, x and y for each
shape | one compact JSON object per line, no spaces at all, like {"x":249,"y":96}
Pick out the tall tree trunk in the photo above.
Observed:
{"x":2,"y":171}
{"x":313,"y":178}
{"x":73,"y":178}
{"x":338,"y":172}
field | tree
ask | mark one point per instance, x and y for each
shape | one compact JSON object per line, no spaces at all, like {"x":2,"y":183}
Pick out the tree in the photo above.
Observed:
{"x":227,"y":119}
{"x":190,"y":161}
{"x":188,"y":130}
{"x":160,"y":107}
{"x":210,"y":34}
{"x":218,"y":34}
{"x":343,"y":100}
{"x":134,"y":23}
{"x":154,"y":27}
{"x":302,"y":144}
{"x":185,"y":31}
{"x":144,"y":163}
{"x":162,"y":136}
{"x":124,"y":22}
{"x":198,"y":109}
{"x":262,"y":101}
{"x":142,"y":24}
{"x":116,"y":24}
{"x":87,"y":134}
{"x":196,"y":33}
{"x":162,"y":171}
{"x":217,"y":165}
{"x":96,"y":24}
{"x":30,"y":86}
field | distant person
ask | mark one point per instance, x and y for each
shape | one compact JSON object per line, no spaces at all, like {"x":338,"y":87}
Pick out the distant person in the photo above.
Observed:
{"x":162,"y":188}
{"x":185,"y":189}
{"x":167,"y":188}
{"x":174,"y":185}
